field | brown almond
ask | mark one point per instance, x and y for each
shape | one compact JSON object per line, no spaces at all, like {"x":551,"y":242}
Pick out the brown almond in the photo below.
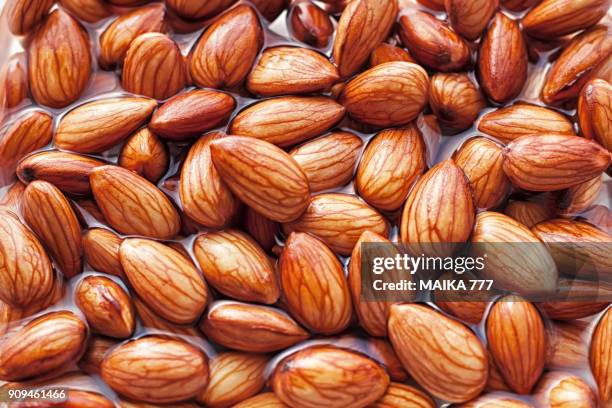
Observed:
{"x":25,"y":15}
{"x":152,"y":320}
{"x":557,"y":389}
{"x":309,"y":24}
{"x":470,"y":18}
{"x":437,"y":5}
{"x":529,"y":213}
{"x":145,"y":154}
{"x":11,"y":200}
{"x":580,"y":197}
{"x":455,"y":100}
{"x":197,"y":9}
{"x":566,"y":342}
{"x":600,"y":216}
{"x":262,"y":229}
{"x":90,"y":11}
{"x":595,"y":112}
{"x":494,"y":400}
{"x":577,"y":299}
{"x":14,"y":85}
{"x":400,"y":395}
{"x":601,"y":356}
{"x":97,"y":347}
{"x":519,"y":5}
{"x":263,"y":400}
{"x":389,"y":53}
{"x":101,"y":251}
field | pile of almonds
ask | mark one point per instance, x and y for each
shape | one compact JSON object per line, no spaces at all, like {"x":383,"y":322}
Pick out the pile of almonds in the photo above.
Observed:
{"x":187,"y":185}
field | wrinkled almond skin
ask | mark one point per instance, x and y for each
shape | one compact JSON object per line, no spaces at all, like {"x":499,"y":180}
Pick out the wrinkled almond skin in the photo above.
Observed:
{"x":455,"y":100}
{"x":520,"y":119}
{"x":580,"y":197}
{"x":400,"y":395}
{"x":145,"y":154}
{"x":116,"y":39}
{"x":49,"y":213}
{"x":555,"y":18}
{"x":558,"y":389}
{"x":389,"y":53}
{"x":164,"y":279}
{"x":552,"y":162}
{"x":595,"y":112}
{"x":270,"y":9}
{"x":432,"y":43}
{"x":566,"y":342}
{"x":24,"y":15}
{"x":46,"y":344}
{"x":264,"y":400}
{"x":97,"y":346}
{"x":288,"y":120}
{"x":262,"y":229}
{"x":235,"y":265}
{"x":310,"y":25}
{"x":99,"y":125}
{"x":529,"y":213}
{"x":600,"y":357}
{"x":423,"y":338}
{"x":90,"y":11}
{"x":581,"y":298}
{"x":502,"y":59}
{"x":470,"y":18}
{"x":234,"y":377}
{"x":14,"y":86}
{"x":325,"y":376}
{"x":107,"y":307}
{"x":291,"y":70}
{"x":225,"y":53}
{"x":329,"y":161}
{"x":191,"y":114}
{"x":389,"y":166}
{"x":154,"y":67}
{"x":362,"y":26}
{"x":389,"y":94}
{"x":338,"y":220}
{"x":132,"y":205}
{"x":12,"y":198}
{"x":494,"y":400}
{"x":134,"y":370}
{"x":279,"y":191}
{"x":482,"y":162}
{"x":519,"y":5}
{"x":196,"y":9}
{"x":314,"y":287}
{"x":101,"y":251}
{"x":251,"y":328}
{"x":152,"y":320}
{"x":26,"y":276}
{"x":67,"y":171}
{"x":59,"y":61}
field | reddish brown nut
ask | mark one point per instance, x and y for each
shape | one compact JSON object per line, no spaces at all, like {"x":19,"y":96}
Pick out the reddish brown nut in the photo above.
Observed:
{"x":264,"y":400}
{"x":455,"y":100}
{"x":101,"y":251}
{"x":262,"y":229}
{"x":270,"y":9}
{"x":197,"y":9}
{"x":400,"y":395}
{"x":558,"y":389}
{"x":90,"y":11}
{"x":24,"y":15}
{"x":97,"y":347}
{"x":14,"y":86}
{"x":309,"y":24}
{"x":529,"y":213}
{"x":601,"y":357}
{"x":470,"y":18}
{"x":145,"y":154}
{"x":580,"y":298}
{"x":580,"y":197}
{"x":389,"y":53}
{"x":595,"y":112}
{"x":519,"y":5}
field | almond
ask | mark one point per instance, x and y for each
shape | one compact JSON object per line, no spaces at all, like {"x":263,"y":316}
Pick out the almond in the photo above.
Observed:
{"x":328,"y":376}
{"x":26,"y":276}
{"x":251,"y":328}
{"x":196,"y":9}
{"x":45,"y":345}
{"x":90,"y":11}
{"x":469,"y":311}
{"x":432,"y":42}
{"x":270,"y":9}
{"x":156,"y":369}
{"x":132,"y":205}
{"x":310,"y":25}
{"x":164,"y":279}
{"x":468,"y":305}
{"x":455,"y":100}
{"x":363,"y":25}
{"x":470,"y":18}
{"x":600,"y":216}
{"x":389,"y":53}
{"x":390,"y":164}
{"x":401,"y":395}
{"x":567,"y":342}
{"x":262,"y":229}
{"x":329,"y":161}
{"x":59,"y":60}
{"x":553,"y":162}
{"x":24,"y":15}
{"x":520,"y":119}
{"x":529,"y":213}
{"x":437,"y":5}
{"x":427,"y":343}
{"x":291,"y":70}
{"x":225,"y":53}
{"x":519,"y":5}
{"x":67,"y":171}
{"x":583,"y":298}
{"x":556,"y":18}
{"x":145,"y":154}
{"x":99,"y":125}
{"x":14,"y":86}
{"x":338,"y":220}
{"x":236,"y":266}
{"x":482,"y":162}
{"x":97,"y":347}
{"x":48,"y":212}
{"x":132,"y":404}
{"x":595,"y":112}
{"x":107,"y":307}
{"x":496,"y":401}
{"x":12,"y":197}
{"x":151,"y":320}
{"x":191,"y":114}
{"x":278,"y":191}
{"x":502,"y":59}
{"x":287,"y":120}
{"x":579,"y":198}
{"x":264,"y":400}
{"x":234,"y":377}
{"x":601,"y":357}
{"x":557,"y":389}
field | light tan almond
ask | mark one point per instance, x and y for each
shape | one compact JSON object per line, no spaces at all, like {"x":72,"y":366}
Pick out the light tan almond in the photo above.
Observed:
{"x":580,"y":197}
{"x":101,"y":251}
{"x":595,"y":112}
{"x":400,"y":395}
{"x":24,"y":15}
{"x":145,"y":154}
{"x":530,"y":213}
{"x":262,"y":229}
{"x":90,"y":11}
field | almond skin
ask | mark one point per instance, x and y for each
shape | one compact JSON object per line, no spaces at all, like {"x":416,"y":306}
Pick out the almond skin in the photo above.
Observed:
{"x":152,"y":320}
{"x":310,"y":25}
{"x":502,"y":59}
{"x":362,"y":26}
{"x":236,"y":266}
{"x":324,"y":376}
{"x":107,"y":307}
{"x":553,"y":162}
{"x":529,"y":213}
{"x":97,"y":346}
{"x":262,"y":229}
{"x":494,"y":400}
{"x":288,"y":120}
{"x":567,"y":341}
{"x":400,"y":395}
{"x":99,"y":125}
{"x":51,"y":217}
{"x":519,"y":5}
{"x":601,"y":357}
{"x":24,"y":15}
{"x":26,"y":276}
{"x":101,"y":251}
{"x":521,"y":119}
{"x":581,"y":299}
{"x":134,"y":369}
{"x":280,"y":192}
{"x":455,"y":100}
{"x":132,"y":205}
{"x":291,"y":70}
{"x":595,"y":112}
{"x":338,"y":220}
{"x":45,"y":345}
{"x":90,"y":11}
{"x":389,"y":53}
{"x":389,"y":94}
{"x":59,"y":61}
{"x":390,"y":164}
{"x":470,"y":18}
{"x":423,"y":338}
{"x":579,"y":198}
{"x":116,"y":39}
{"x":196,"y":9}
{"x":154,"y":67}
{"x":264,"y":400}
{"x":14,"y":86}
{"x":557,"y":389}
{"x":556,"y":18}
{"x":12,"y":198}
{"x":329,"y":161}
{"x":67,"y":171}
{"x":237,"y":30}
{"x":432,"y":43}
{"x":314,"y":287}
{"x":482,"y":162}
{"x":145,"y":154}
{"x":251,"y":328}
{"x":164,"y":279}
